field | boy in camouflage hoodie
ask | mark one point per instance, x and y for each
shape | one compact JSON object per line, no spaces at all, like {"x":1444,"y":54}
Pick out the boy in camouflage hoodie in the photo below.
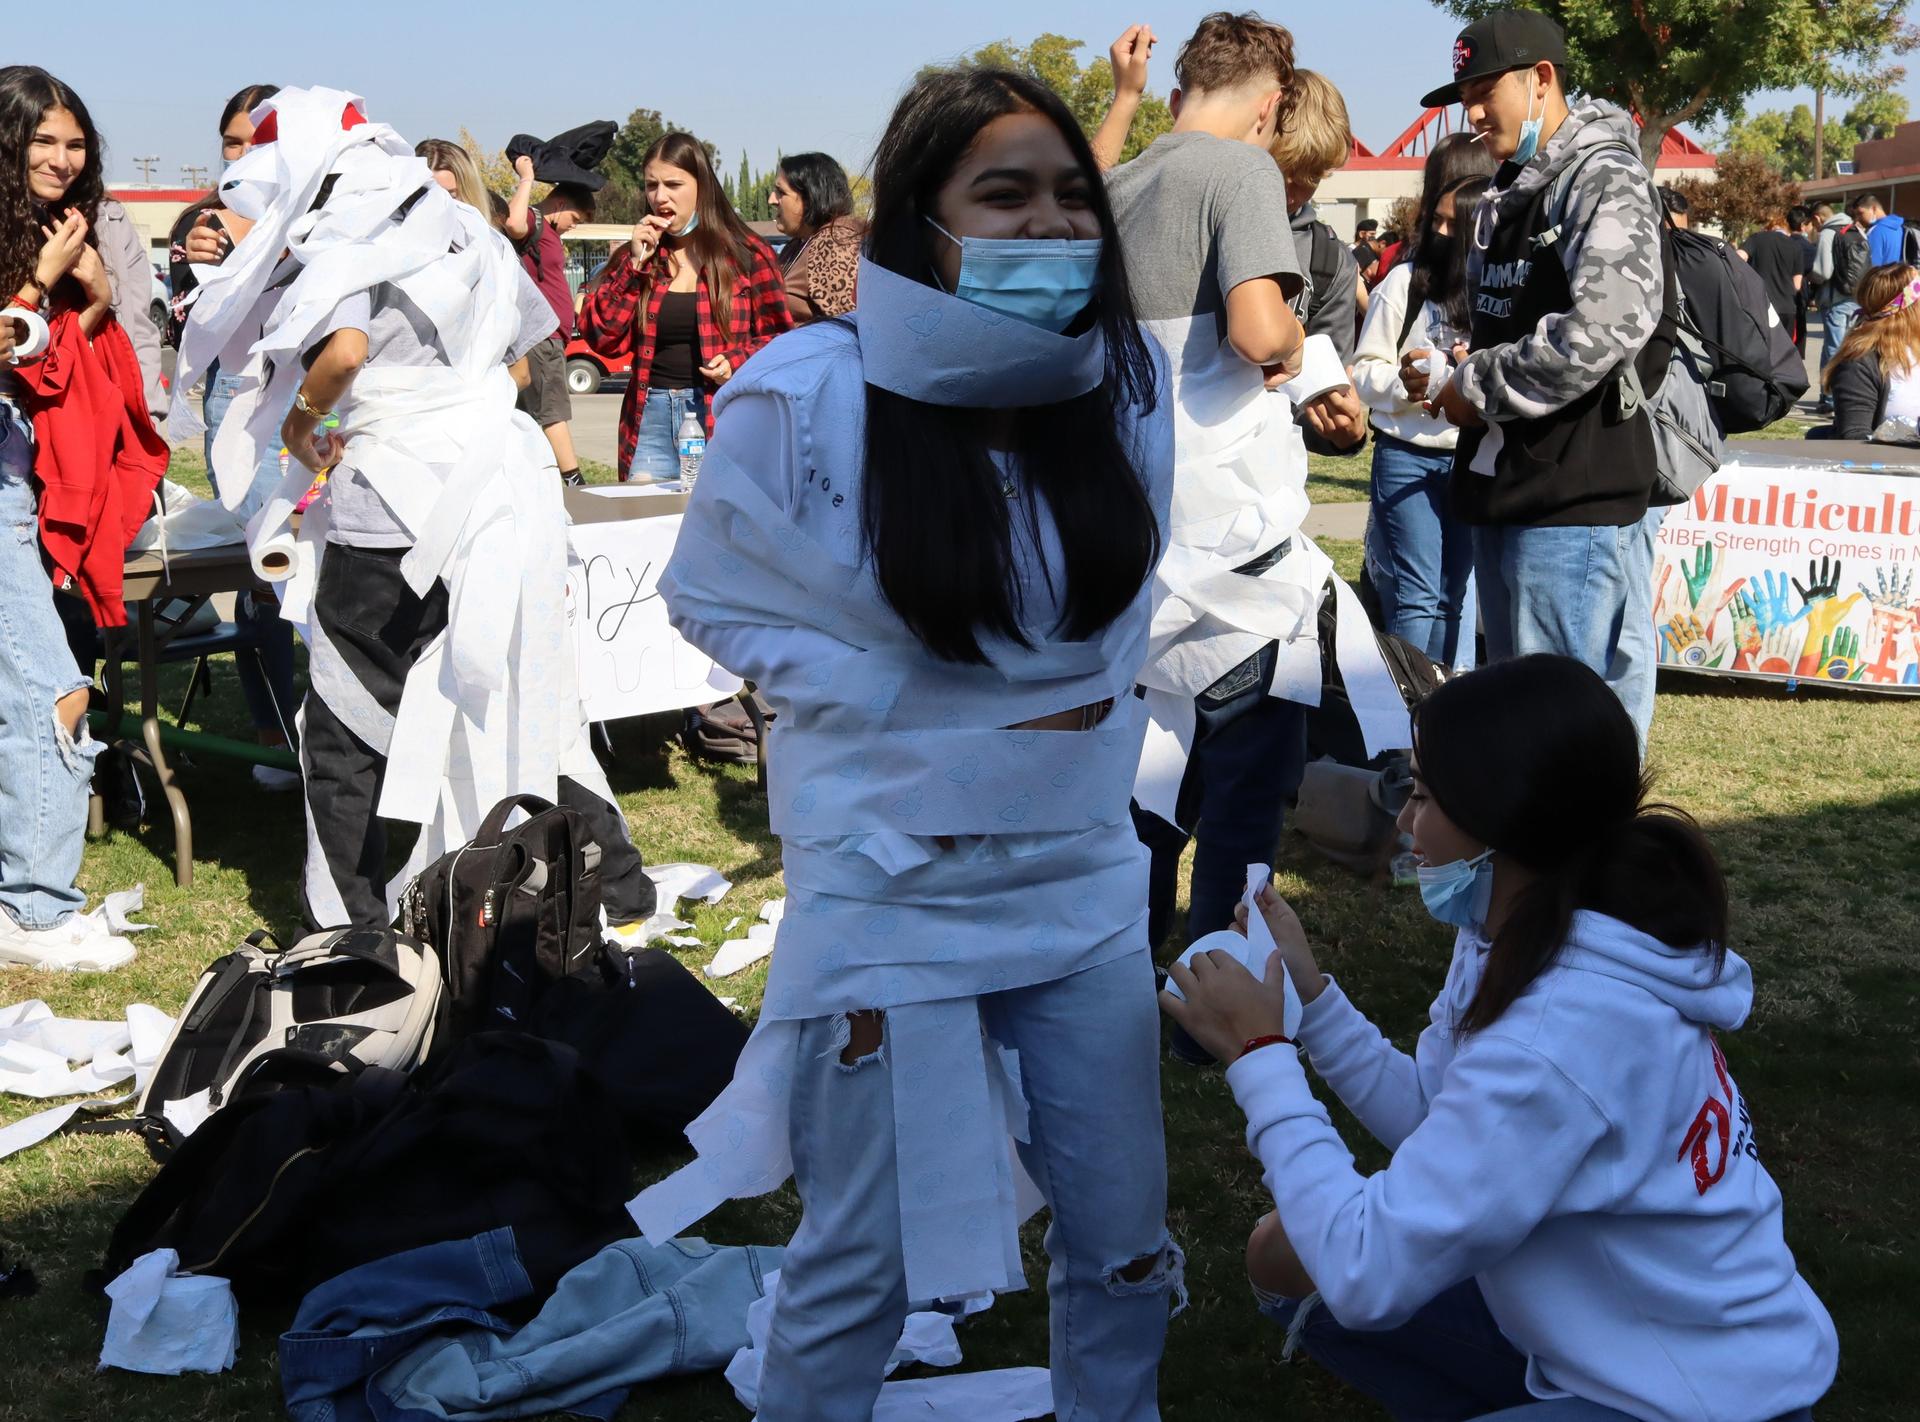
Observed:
{"x":1565,"y":271}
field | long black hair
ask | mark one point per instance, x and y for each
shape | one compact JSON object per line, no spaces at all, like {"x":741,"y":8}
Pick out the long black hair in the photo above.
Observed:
{"x":936,"y":521}
{"x":1441,"y":266}
{"x":1438,"y":263}
{"x":27,"y":93}
{"x":1536,"y":758}
{"x":821,"y":185}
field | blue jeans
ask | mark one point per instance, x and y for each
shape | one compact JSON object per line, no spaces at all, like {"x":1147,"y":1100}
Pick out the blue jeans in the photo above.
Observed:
{"x":420,"y":1335}
{"x":1583,"y":592}
{"x":1837,"y":320}
{"x":1249,"y":752}
{"x":268,"y":678}
{"x":1448,"y":1363}
{"x":656,"y":453}
{"x":1423,"y":553}
{"x":1089,"y":1048}
{"x":45,"y":773}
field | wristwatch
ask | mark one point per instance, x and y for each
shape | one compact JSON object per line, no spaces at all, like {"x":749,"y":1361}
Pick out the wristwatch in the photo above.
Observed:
{"x":305,"y":406}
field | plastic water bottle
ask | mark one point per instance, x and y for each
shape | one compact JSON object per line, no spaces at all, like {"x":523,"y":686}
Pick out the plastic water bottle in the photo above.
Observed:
{"x":693,"y":447}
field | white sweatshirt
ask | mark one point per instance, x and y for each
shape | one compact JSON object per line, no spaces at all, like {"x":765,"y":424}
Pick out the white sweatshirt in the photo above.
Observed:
{"x":1587,"y":1158}
{"x":1376,"y":366}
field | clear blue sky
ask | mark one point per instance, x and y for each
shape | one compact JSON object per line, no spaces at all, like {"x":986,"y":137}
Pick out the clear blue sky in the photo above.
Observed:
{"x":740,"y":73}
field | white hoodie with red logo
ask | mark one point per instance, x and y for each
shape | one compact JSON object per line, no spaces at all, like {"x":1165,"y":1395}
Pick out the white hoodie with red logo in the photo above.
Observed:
{"x":1587,"y":1158}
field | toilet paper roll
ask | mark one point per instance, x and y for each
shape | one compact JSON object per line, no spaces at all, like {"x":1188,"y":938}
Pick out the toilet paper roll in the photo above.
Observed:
{"x":30,"y":336}
{"x":1320,"y":371}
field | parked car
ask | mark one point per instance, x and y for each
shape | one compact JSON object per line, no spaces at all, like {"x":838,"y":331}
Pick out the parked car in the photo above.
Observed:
{"x":589,"y":372}
{"x":159,"y":297}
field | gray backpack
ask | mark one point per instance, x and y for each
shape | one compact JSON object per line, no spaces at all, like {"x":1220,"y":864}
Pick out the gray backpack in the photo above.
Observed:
{"x":1688,"y":439}
{"x":262,"y":1018}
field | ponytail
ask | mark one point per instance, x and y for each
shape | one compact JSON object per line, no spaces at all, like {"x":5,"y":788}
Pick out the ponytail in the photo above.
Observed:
{"x":1536,"y":758}
{"x":1655,"y":873}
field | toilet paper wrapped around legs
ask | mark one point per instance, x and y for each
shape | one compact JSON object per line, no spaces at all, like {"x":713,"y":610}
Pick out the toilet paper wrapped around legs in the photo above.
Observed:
{"x":164,"y":1322}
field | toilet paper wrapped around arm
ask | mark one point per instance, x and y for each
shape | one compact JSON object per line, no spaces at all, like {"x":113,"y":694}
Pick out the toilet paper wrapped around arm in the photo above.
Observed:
{"x":164,"y":1322}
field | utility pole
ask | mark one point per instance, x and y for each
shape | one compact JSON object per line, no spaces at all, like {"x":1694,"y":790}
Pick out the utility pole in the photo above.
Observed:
{"x":195,"y":173}
{"x":146,"y":166}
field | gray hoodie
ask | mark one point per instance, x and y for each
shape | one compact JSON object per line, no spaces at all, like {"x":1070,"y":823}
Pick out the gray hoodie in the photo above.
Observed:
{"x":1610,"y":245}
{"x":129,"y":268}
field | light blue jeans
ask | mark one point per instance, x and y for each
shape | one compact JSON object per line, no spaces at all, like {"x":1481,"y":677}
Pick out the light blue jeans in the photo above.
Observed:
{"x":268,"y":678}
{"x":1584,"y":592}
{"x":44,"y":772}
{"x":1836,"y":321}
{"x":656,"y":454}
{"x":1422,"y":553}
{"x":1089,"y":1048}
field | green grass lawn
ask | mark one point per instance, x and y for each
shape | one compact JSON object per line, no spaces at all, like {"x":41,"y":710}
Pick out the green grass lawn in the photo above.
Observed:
{"x":1813,"y":800}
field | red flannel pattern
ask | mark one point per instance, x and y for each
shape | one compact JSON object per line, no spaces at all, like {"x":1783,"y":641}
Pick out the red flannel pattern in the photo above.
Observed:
{"x":609,"y":322}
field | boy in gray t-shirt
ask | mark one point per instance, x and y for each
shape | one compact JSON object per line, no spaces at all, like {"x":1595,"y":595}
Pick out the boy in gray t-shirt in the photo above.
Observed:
{"x":1210,"y":256}
{"x":1200,"y":215}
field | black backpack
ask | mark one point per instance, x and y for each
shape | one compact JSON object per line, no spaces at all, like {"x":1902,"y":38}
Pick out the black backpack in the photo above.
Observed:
{"x":279,"y":1193}
{"x":1753,"y":370}
{"x":510,"y":912}
{"x":1852,"y":260}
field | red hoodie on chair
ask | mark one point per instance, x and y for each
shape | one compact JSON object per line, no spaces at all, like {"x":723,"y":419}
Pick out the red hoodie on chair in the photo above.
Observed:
{"x":97,"y":456}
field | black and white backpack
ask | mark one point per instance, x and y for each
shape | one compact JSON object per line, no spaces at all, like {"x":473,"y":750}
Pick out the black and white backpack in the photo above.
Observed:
{"x":262,"y":1018}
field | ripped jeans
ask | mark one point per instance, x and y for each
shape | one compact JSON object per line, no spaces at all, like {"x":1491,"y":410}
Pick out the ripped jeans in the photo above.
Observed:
{"x":1089,"y":1048}
{"x":45,"y":773}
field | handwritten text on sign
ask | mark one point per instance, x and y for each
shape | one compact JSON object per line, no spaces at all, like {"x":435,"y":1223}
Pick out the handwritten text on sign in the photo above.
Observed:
{"x":631,"y":660}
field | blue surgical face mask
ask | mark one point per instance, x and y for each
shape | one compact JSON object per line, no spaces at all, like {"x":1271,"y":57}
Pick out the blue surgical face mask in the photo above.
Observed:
{"x":692,"y":222}
{"x":1045,"y":281}
{"x":1458,"y":893}
{"x":1530,"y":130}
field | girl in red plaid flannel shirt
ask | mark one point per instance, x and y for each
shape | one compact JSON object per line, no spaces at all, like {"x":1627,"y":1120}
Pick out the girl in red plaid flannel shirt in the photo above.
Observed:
{"x":691,"y":297}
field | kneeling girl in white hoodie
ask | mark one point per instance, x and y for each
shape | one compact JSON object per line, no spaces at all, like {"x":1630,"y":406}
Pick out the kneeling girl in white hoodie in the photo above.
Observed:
{"x":1576,"y":1223}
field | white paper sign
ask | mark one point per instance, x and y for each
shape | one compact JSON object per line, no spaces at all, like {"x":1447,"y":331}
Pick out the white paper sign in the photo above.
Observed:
{"x":1793,"y":573}
{"x":631,"y":661}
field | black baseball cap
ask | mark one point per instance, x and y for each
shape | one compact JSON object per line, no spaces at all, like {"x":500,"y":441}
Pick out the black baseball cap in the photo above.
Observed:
{"x":1504,"y":40}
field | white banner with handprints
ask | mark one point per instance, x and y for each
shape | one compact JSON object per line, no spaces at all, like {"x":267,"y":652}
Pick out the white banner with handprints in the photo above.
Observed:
{"x":631,"y":660}
{"x":1793,"y":573}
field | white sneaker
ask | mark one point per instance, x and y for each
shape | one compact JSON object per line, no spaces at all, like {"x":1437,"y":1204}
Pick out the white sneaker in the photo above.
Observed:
{"x":79,"y":944}
{"x":269,"y":777}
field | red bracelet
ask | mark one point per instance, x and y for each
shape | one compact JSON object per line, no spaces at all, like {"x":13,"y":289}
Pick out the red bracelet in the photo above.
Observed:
{"x":1254,"y":1044}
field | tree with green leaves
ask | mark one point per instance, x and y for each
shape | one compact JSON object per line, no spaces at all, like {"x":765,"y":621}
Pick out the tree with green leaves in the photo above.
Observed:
{"x":1785,"y":137}
{"x":1695,"y":61}
{"x":623,"y":199}
{"x":1087,"y":90}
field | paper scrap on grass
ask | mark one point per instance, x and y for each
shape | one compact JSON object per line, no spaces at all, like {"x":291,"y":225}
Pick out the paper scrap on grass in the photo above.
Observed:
{"x":44,"y":1056}
{"x":740,"y":953}
{"x":674,"y":882}
{"x":117,"y":909}
{"x":1007,"y":1395}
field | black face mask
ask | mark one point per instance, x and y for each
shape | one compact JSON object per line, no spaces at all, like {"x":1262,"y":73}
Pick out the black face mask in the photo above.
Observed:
{"x":1440,"y":256}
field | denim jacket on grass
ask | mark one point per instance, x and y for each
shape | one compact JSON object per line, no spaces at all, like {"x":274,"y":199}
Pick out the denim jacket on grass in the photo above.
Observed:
{"x":418,"y":1337}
